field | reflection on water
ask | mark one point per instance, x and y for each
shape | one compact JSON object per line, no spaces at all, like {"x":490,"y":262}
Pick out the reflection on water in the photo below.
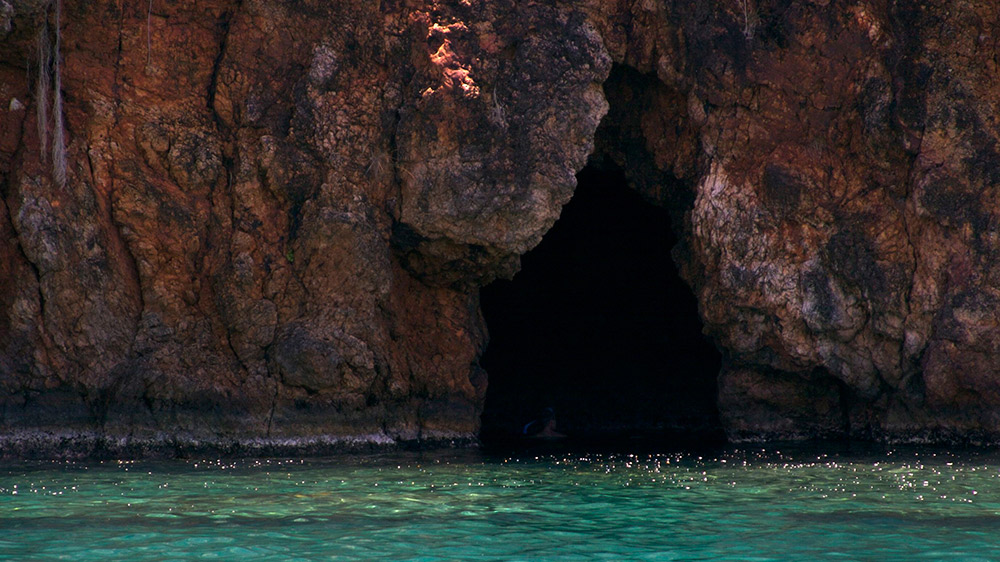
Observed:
{"x":902,"y":504}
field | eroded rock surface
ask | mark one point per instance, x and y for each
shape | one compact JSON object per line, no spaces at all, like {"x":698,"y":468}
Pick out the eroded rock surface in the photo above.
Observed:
{"x":277,"y":215}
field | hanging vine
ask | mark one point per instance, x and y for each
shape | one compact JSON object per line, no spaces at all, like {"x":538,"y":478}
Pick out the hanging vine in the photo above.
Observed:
{"x":50,"y":78}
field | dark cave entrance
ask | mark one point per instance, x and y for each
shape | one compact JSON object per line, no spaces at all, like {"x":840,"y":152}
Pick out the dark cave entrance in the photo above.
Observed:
{"x":599,"y":325}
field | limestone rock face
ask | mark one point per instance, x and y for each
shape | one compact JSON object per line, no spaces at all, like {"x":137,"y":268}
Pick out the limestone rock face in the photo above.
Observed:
{"x":845,"y":229}
{"x":277,"y":215}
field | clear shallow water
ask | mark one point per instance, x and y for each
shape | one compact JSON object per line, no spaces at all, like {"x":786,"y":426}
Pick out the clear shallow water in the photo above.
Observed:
{"x":736,"y":505}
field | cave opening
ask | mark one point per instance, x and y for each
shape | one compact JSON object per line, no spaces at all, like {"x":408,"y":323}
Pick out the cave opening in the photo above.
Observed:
{"x":599,"y":326}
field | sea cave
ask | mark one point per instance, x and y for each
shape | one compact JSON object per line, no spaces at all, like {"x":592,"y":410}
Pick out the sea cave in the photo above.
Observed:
{"x":599,"y":326}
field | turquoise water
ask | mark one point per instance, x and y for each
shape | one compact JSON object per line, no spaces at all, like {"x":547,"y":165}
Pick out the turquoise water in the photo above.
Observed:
{"x":734,"y":505}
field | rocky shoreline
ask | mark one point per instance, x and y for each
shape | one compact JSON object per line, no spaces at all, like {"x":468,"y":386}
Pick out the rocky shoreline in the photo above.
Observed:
{"x":39,"y":445}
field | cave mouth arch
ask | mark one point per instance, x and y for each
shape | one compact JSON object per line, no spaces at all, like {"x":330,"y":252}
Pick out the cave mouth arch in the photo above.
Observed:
{"x":599,"y":325}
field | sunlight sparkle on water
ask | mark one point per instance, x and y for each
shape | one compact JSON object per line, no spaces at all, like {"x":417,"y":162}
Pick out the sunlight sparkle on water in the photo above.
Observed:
{"x":738,"y":505}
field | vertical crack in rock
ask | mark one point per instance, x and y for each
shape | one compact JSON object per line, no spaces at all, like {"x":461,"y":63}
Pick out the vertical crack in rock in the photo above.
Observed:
{"x":119,"y":244}
{"x":213,"y":82}
{"x":7,"y":187}
{"x":230,"y":154}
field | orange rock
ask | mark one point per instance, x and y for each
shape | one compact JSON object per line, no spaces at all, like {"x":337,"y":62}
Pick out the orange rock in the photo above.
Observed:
{"x":278,"y":215}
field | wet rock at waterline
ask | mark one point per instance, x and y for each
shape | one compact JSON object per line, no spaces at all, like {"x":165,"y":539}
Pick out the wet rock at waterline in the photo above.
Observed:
{"x":279,"y":238}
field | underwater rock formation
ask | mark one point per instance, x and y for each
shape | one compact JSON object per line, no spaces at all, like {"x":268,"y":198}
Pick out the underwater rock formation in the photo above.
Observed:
{"x":277,"y":215}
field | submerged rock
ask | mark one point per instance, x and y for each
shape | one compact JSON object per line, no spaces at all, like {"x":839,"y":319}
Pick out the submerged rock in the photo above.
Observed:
{"x":277,"y":216}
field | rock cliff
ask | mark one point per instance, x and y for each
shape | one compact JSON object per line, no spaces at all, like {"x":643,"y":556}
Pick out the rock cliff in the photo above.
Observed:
{"x":275,"y":216}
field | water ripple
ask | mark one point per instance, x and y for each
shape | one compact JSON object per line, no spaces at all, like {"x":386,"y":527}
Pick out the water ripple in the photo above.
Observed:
{"x":738,"y":505}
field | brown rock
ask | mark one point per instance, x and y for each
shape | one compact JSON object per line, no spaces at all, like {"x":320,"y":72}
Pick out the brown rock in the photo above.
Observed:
{"x":277,"y":215}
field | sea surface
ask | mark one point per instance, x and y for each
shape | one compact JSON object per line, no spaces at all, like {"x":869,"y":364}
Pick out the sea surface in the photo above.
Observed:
{"x":730,"y":504}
